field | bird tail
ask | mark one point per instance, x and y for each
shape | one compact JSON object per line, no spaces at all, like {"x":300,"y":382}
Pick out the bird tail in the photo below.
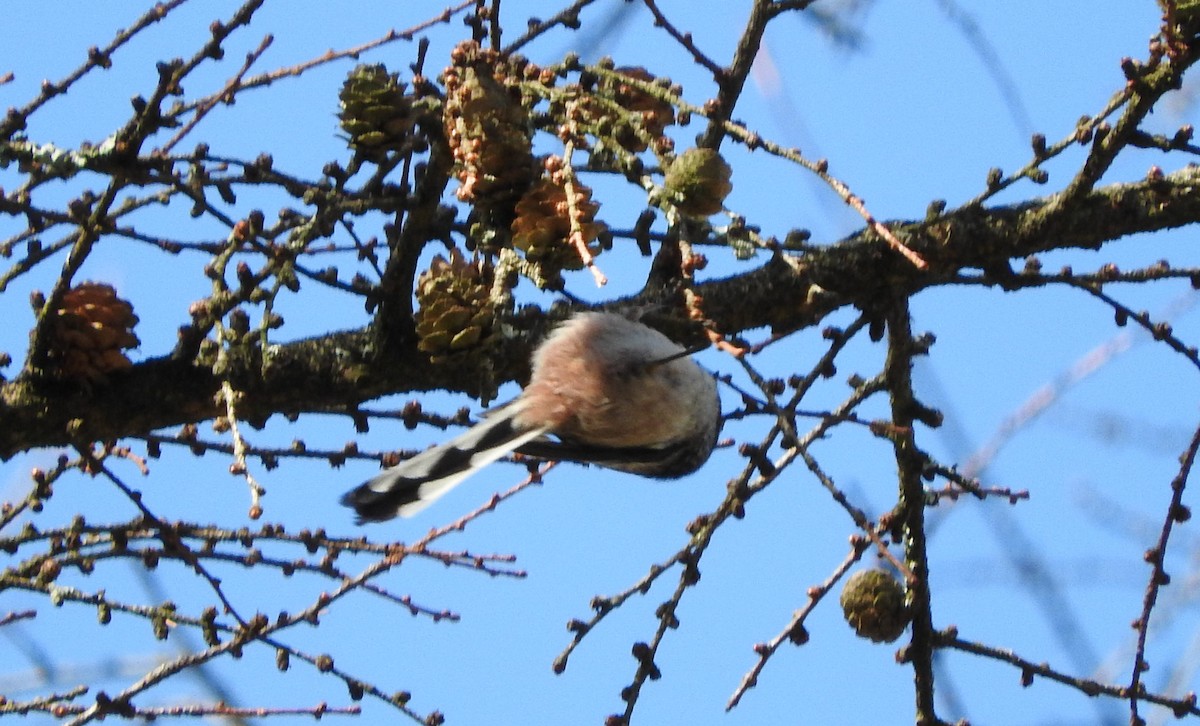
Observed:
{"x":413,"y":484}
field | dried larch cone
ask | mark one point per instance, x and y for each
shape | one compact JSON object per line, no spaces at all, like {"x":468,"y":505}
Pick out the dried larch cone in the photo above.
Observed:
{"x":873,"y":604}
{"x":698,"y":181}
{"x":653,"y":114}
{"x":455,"y":311}
{"x":88,"y":332}
{"x":542,"y":228}
{"x":488,"y":129}
{"x":375,"y":112}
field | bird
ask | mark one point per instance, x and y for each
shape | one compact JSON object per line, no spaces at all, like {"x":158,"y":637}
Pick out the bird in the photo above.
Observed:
{"x":603,"y":390}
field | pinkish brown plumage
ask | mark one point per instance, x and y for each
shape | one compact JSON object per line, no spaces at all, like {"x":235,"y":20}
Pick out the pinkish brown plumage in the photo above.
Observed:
{"x":611,"y":391}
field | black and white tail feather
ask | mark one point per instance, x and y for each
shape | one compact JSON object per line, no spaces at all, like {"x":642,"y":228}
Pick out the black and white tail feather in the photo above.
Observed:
{"x":414,"y":484}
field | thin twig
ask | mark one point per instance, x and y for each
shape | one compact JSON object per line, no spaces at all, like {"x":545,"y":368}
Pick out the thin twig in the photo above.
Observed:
{"x":225,"y":95}
{"x":794,"y":631}
{"x":1156,"y":555}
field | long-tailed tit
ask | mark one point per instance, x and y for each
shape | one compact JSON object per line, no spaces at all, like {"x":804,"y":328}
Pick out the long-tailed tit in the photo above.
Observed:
{"x":610,"y":392}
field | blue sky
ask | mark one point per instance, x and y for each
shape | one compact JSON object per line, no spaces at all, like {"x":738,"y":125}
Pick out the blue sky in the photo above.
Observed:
{"x":915,"y":113}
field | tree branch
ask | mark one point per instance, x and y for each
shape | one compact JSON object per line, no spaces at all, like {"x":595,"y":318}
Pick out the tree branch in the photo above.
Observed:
{"x":335,"y":372}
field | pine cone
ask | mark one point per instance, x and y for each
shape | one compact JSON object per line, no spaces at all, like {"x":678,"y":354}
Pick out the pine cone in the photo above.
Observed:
{"x":456,"y":311}
{"x":542,"y":228}
{"x":698,"y":182}
{"x":488,"y":129}
{"x":873,"y":604}
{"x":655,"y":114}
{"x":375,"y":112}
{"x":88,"y":332}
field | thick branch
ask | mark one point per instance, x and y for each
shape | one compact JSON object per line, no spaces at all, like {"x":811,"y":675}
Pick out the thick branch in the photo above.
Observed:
{"x":330,"y":373}
{"x":339,"y":370}
{"x":862,"y":270}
